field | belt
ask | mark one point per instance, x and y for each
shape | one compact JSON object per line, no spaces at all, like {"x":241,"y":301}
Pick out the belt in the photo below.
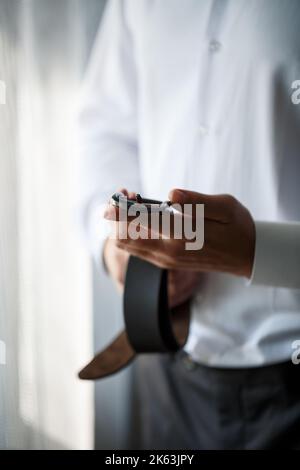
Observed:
{"x":151,"y":327}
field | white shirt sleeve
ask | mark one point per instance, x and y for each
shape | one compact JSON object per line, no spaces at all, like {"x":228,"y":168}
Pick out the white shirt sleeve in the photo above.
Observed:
{"x":277,"y":254}
{"x":107,"y":130}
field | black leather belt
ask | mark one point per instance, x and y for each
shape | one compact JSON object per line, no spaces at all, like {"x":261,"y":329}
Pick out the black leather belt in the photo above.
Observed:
{"x":151,"y":327}
{"x":146,"y":312}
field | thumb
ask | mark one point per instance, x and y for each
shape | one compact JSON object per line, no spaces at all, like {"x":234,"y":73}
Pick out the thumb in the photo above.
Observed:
{"x":217,"y":207}
{"x":182,"y":196}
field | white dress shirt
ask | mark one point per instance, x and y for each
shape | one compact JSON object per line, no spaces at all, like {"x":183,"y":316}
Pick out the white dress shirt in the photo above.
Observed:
{"x":197,"y":94}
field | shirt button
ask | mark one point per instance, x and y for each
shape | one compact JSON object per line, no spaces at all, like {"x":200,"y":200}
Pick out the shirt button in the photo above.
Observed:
{"x":214,"y":46}
{"x":203,"y":130}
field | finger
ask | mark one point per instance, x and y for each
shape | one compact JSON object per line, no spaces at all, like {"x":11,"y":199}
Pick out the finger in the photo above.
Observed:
{"x":181,"y":286}
{"x":155,"y":246}
{"x":158,"y":259}
{"x":140,"y":226}
{"x":119,"y":286}
{"x":120,"y":214}
{"x":112,"y":212}
{"x":123,"y":191}
{"x":182,"y":281}
{"x":179,"y":298}
{"x":131,"y":195}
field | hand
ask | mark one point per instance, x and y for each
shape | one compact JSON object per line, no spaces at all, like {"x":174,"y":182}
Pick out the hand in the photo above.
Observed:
{"x":115,"y":258}
{"x":229,"y":238}
{"x":116,"y":261}
{"x":181,"y":284}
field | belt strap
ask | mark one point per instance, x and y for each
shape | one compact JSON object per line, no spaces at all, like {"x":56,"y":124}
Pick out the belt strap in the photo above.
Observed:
{"x":146,"y":311}
{"x":150,"y":326}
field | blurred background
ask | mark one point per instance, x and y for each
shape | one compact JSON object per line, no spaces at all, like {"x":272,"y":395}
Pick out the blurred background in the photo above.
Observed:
{"x":54,"y":309}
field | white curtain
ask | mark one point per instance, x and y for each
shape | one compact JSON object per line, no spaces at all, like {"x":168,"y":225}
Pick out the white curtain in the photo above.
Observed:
{"x":45,"y":278}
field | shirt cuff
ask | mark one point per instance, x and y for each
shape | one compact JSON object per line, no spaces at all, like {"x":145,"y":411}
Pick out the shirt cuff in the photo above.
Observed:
{"x":277,"y":254}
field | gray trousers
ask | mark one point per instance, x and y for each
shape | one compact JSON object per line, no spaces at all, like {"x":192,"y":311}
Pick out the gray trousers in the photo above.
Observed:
{"x":183,"y":405}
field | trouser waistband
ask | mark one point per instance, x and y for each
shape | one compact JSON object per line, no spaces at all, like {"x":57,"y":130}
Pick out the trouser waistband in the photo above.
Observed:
{"x":271,"y":373}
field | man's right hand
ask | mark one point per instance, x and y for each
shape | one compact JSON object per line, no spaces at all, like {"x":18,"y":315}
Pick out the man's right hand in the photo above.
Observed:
{"x":181,"y":284}
{"x":116,"y":261}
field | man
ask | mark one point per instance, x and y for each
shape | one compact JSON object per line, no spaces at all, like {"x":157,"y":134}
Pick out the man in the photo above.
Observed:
{"x":197,"y":95}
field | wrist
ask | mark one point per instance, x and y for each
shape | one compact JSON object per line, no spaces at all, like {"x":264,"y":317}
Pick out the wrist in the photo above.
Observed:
{"x":248,"y":259}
